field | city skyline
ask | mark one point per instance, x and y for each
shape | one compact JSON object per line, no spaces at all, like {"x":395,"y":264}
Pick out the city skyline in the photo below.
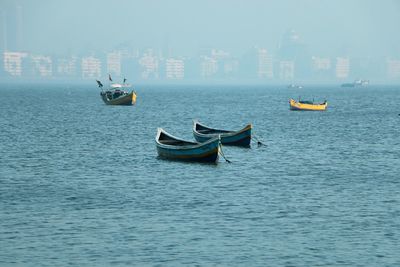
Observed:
{"x":276,"y":41}
{"x":353,"y":28}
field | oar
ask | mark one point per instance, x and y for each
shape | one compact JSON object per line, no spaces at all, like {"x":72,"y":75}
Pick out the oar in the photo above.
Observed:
{"x":222,"y":153}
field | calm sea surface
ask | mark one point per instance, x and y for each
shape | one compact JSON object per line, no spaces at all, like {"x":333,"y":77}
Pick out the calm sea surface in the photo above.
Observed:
{"x":81,"y":184}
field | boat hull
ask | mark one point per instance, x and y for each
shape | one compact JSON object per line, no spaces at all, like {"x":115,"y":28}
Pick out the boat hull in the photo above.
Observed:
{"x":204,"y":152}
{"x":233,"y":138}
{"x":126,"y":100}
{"x":297,"y":106}
{"x":210,"y":155}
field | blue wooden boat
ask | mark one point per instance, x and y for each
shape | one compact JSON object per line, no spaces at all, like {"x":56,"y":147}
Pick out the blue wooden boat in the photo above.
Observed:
{"x":241,"y":137}
{"x":171,"y":147}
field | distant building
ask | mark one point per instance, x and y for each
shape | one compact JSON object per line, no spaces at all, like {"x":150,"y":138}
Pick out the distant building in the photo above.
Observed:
{"x":114,"y":63}
{"x":393,"y":68}
{"x":342,"y":68}
{"x":219,"y":54}
{"x":322,"y":69}
{"x":67,"y":66}
{"x":230,"y":67}
{"x":13,"y":62}
{"x":91,"y":67}
{"x":42,"y":65}
{"x":208,"y":66}
{"x":149,"y":65}
{"x":265,"y":64}
{"x":321,"y":63}
{"x":286,"y":70}
{"x":175,"y":69}
{"x":290,"y":46}
{"x":219,"y":64}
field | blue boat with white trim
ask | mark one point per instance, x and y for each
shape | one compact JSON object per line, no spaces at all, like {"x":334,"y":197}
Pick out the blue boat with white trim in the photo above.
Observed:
{"x":171,"y":147}
{"x":241,"y":137}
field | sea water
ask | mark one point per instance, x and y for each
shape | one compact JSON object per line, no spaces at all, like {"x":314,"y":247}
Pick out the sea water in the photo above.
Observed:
{"x":81,"y":183}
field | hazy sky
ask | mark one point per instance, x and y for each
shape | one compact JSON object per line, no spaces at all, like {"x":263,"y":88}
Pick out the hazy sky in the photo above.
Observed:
{"x":355,"y":27}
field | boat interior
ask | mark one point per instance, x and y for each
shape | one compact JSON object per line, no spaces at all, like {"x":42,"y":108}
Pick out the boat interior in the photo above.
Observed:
{"x":113,"y":94}
{"x":168,"y":140}
{"x":310,"y":102}
{"x":306,"y":102}
{"x":205,"y":130}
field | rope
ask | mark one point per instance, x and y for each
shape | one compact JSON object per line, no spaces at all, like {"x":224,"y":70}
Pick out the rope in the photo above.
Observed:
{"x":222,"y":153}
{"x":259,"y":143}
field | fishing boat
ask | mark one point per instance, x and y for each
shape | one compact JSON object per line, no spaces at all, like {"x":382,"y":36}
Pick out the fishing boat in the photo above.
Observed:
{"x":356,"y":83}
{"x":118,"y":97}
{"x":171,"y":147}
{"x":291,"y":86}
{"x":307,"y":105}
{"x":241,"y":137}
{"x":117,"y":94}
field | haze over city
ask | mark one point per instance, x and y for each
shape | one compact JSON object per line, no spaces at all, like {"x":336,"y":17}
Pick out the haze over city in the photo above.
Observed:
{"x":291,"y":40}
{"x":199,"y":133}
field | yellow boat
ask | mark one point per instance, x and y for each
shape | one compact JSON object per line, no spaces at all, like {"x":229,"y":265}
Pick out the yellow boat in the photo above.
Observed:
{"x":307,"y":105}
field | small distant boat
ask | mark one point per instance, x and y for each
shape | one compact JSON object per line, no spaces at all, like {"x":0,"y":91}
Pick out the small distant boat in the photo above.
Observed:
{"x":307,"y":105}
{"x":241,"y":137}
{"x":356,"y":83}
{"x":295,"y":86}
{"x":171,"y":147}
{"x":117,"y":94}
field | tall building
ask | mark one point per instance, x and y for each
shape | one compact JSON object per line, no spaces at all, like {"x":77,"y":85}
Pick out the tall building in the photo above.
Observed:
{"x":230,"y":67}
{"x":286,"y":70}
{"x":219,"y":54}
{"x":322,"y":69}
{"x":321,"y":63}
{"x":114,"y":63}
{"x":42,"y":65}
{"x":393,"y":68}
{"x":67,"y":66}
{"x":208,"y":66}
{"x":342,"y":68}
{"x":292,"y":48}
{"x":175,"y":69}
{"x":265,"y":64}
{"x":218,"y":64}
{"x":91,"y":67}
{"x":149,"y":65}
{"x":13,"y":62}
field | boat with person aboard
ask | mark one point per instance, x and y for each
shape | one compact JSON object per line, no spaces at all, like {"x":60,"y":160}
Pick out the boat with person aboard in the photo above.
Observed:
{"x":117,"y":93}
{"x":173,"y":148}
{"x":240,"y":137}
{"x":307,"y":105}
